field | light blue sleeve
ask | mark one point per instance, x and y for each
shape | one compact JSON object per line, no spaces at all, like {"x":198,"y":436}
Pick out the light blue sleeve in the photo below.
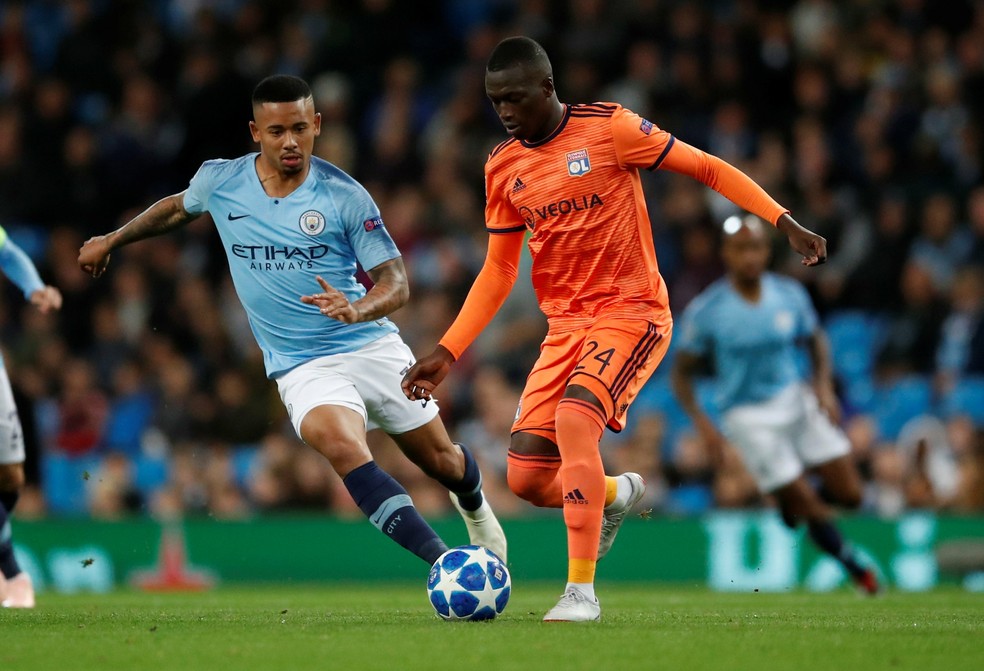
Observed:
{"x":365,"y":228}
{"x":18,"y":266}
{"x":200,"y":189}
{"x":694,"y":337}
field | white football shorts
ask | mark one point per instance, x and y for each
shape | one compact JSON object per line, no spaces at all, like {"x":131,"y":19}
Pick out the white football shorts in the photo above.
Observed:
{"x":11,"y":434}
{"x":366,"y":381}
{"x":781,"y":437}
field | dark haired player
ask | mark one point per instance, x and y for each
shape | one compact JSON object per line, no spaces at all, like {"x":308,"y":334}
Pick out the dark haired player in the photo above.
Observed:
{"x":569,"y":176}
{"x":286,"y":219}
{"x":751,"y":324}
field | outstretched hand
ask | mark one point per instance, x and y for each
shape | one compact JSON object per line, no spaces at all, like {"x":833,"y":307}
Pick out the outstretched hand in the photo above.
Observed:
{"x":46,"y":299}
{"x":333,"y":303}
{"x":424,"y":376}
{"x":809,"y":245}
{"x":94,"y":255}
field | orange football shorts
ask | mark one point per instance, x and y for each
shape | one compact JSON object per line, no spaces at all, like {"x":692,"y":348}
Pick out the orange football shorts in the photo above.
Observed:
{"x":612,"y":359}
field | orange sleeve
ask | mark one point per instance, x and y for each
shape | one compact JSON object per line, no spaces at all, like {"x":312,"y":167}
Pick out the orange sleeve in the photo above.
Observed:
{"x":488,"y":292}
{"x":639,"y":143}
{"x":724,"y":178}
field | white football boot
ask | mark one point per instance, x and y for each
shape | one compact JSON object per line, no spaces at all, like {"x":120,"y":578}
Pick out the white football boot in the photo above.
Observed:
{"x":574,"y":606}
{"x":614,"y":514}
{"x":483,"y":527}
{"x":20,"y":592}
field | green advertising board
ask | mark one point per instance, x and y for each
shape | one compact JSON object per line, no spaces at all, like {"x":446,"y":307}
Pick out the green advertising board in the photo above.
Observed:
{"x":727,"y":551}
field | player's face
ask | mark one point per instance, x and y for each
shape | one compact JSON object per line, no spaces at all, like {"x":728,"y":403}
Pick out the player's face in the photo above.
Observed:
{"x":524,"y":101}
{"x":746,"y":254}
{"x":286,"y":133}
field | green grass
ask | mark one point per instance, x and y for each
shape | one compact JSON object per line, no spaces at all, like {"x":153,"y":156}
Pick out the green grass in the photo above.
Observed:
{"x":349,"y":627}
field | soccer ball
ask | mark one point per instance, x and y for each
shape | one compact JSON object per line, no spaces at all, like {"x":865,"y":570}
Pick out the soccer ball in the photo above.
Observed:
{"x":468,"y":583}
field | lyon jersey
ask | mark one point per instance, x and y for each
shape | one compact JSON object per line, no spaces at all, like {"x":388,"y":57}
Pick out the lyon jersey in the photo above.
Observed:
{"x":276,"y":246}
{"x":753,"y":345}
{"x":579,"y":194}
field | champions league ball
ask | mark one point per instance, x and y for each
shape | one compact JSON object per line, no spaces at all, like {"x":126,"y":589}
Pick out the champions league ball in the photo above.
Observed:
{"x":468,"y":583}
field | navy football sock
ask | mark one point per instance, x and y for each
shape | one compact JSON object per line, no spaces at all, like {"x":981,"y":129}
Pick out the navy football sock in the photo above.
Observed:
{"x":388,"y":506}
{"x":469,"y":489}
{"x":829,"y":539}
{"x":9,"y":499}
{"x":8,"y":565}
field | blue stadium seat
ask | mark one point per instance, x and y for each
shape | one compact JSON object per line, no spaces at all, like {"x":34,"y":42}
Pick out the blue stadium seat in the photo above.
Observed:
{"x":854,"y":340}
{"x":150,"y":473}
{"x":244,"y":462}
{"x":899,"y":401}
{"x":63,"y":481}
{"x":657,"y":398}
{"x":966,"y":398}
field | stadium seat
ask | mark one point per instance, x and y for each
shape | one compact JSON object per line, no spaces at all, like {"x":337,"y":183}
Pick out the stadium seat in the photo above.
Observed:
{"x":896,"y":403}
{"x":150,"y":473}
{"x":63,"y":479}
{"x":854,"y":339}
{"x":657,"y":398}
{"x":966,"y":398}
{"x":244,"y":462}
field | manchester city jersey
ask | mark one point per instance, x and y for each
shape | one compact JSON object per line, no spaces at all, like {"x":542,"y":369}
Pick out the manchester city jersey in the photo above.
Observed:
{"x":276,"y":247}
{"x":753,"y":345}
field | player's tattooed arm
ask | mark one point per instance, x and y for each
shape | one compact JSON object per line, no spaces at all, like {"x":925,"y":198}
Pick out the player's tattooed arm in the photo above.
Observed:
{"x":390,"y":292}
{"x":163,"y":216}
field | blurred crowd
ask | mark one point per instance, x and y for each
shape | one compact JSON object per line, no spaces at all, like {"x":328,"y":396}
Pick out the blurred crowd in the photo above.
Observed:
{"x":146,"y":393}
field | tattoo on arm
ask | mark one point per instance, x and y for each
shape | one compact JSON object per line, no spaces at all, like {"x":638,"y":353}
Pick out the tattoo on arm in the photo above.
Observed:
{"x":162,"y":217}
{"x":389,"y":293}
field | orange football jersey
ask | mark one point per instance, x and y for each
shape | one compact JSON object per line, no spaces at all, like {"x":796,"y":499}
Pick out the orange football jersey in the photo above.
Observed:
{"x":579,"y":194}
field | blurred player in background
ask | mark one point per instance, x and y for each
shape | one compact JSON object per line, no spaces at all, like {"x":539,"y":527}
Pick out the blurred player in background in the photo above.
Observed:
{"x":749,"y":326}
{"x":16,"y":588}
{"x":569,"y":176}
{"x":286,"y":219}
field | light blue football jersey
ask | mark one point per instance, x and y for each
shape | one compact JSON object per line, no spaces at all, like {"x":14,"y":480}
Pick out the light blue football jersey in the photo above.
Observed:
{"x":753,"y":346}
{"x":276,"y":247}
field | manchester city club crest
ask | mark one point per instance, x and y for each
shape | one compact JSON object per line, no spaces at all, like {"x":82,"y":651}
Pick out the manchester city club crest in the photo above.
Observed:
{"x":784,"y":321}
{"x":312,"y":222}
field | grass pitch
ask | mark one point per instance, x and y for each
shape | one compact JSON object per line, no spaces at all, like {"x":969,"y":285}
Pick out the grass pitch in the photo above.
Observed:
{"x":392,"y":627}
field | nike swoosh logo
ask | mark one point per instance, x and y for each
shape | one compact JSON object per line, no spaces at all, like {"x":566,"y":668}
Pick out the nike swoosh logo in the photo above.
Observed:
{"x":232,"y":218}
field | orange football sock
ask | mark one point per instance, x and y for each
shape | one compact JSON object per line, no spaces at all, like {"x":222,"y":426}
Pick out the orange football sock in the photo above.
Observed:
{"x":579,"y":428}
{"x":535,"y":478}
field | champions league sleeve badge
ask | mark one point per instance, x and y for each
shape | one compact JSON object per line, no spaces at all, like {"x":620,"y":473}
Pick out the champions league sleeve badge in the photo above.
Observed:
{"x":312,"y":222}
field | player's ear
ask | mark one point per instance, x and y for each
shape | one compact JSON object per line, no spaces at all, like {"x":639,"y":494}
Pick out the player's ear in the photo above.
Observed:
{"x":254,"y":131}
{"x":317,"y":124}
{"x":548,"y":86}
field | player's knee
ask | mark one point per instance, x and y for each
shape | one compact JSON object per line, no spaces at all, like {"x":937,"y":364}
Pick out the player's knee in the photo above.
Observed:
{"x":11,"y":477}
{"x":342,"y":451}
{"x":850,"y":498}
